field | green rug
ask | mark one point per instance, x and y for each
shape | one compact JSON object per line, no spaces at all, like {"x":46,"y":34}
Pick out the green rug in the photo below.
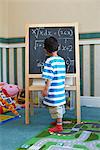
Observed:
{"x":84,"y":136}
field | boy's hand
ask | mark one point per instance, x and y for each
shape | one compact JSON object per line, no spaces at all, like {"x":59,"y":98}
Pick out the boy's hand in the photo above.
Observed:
{"x":45,"y":90}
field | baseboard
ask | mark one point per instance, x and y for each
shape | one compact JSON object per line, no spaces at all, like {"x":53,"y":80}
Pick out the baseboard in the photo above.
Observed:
{"x":90,"y":101}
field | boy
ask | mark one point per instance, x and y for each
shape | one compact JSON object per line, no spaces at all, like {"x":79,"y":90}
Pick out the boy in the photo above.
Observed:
{"x":54,"y":73}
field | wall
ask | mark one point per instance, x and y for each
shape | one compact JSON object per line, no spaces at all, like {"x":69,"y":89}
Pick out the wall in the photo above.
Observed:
{"x":90,"y":69}
{"x":15,"y":14}
{"x":3,"y":18}
{"x":22,"y":12}
{"x":12,"y":64}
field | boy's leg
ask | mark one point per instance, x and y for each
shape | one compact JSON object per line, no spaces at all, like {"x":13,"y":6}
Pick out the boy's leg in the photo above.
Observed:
{"x":52,"y":113}
{"x":63,"y":112}
{"x":57,"y":112}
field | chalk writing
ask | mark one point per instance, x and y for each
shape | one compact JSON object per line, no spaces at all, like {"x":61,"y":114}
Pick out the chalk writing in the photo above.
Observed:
{"x":42,"y":32}
{"x":38,"y":43}
{"x":67,"y":32}
{"x":66,"y":49}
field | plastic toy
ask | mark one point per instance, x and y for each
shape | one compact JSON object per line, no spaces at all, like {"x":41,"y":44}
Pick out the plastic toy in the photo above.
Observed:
{"x":7,"y":92}
{"x":10,"y":90}
{"x":1,"y":109}
{"x":2,"y":84}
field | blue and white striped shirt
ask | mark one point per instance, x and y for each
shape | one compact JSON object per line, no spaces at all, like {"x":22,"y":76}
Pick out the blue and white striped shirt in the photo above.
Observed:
{"x":55,"y":71}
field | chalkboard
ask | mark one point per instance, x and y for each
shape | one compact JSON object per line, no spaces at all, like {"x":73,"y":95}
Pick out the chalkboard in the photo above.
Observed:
{"x":66,"y":40}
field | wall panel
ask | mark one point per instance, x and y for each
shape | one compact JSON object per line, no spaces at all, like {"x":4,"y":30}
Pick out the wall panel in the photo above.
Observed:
{"x":12,"y":65}
{"x":97,"y":70}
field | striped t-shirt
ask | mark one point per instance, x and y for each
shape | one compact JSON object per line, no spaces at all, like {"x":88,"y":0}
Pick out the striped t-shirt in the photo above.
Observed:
{"x":54,"y":70}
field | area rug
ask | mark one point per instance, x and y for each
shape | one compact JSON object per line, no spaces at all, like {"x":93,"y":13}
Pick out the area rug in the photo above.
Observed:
{"x":6,"y":118}
{"x":83,"y":136}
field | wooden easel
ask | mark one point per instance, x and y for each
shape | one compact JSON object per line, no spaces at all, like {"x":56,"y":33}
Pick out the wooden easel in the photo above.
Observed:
{"x":75,"y":76}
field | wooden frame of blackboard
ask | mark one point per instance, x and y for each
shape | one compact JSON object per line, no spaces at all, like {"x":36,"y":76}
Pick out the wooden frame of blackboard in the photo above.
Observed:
{"x":28,"y":76}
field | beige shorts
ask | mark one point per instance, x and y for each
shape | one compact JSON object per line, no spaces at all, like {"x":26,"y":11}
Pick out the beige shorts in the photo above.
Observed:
{"x":57,"y":111}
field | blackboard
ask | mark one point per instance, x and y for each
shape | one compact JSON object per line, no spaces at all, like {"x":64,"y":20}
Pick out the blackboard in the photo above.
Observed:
{"x":66,"y":40}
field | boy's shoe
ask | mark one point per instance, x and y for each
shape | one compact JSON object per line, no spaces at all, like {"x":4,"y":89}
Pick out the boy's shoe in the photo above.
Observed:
{"x":57,"y":128}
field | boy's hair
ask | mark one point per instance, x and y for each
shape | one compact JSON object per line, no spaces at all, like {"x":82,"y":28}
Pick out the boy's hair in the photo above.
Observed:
{"x":51,"y":44}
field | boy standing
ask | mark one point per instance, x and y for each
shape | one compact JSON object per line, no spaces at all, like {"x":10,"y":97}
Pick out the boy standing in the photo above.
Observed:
{"x":54,"y":73}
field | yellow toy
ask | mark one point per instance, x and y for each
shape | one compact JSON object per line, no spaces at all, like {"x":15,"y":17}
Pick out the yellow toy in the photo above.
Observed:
{"x":8,"y":103}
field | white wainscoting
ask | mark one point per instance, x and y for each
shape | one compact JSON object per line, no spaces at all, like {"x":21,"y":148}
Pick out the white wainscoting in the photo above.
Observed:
{"x":86,"y":99}
{"x":90,"y":101}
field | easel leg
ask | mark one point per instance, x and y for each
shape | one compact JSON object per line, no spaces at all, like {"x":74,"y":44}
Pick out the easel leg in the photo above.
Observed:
{"x":27,"y":107}
{"x":31,"y":104}
{"x":78,"y":107}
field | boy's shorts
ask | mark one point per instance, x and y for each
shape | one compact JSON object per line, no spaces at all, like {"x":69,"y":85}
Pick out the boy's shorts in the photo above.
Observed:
{"x":57,"y":111}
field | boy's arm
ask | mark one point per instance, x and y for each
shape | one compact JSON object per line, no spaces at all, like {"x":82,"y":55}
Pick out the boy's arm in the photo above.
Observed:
{"x":45,"y":90}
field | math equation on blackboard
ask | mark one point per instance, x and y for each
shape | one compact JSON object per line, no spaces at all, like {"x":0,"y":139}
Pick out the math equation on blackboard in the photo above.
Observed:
{"x":66,"y":49}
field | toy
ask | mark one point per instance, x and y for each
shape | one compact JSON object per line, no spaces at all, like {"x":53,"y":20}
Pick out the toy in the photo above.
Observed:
{"x":1,"y":109}
{"x":21,"y":97}
{"x":10,"y":90}
{"x":7,"y":93}
{"x":8,"y":103}
{"x":2,"y":84}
